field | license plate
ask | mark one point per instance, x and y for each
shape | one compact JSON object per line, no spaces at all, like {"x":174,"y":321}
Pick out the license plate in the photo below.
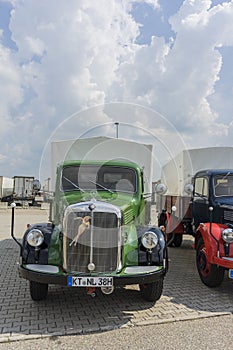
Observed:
{"x":231,"y":273}
{"x":90,"y":281}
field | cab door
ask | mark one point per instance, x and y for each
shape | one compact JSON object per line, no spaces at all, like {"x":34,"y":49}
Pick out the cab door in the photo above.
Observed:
{"x":200,"y":200}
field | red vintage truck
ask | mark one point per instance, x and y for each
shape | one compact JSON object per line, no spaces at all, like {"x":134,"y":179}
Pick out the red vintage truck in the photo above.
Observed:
{"x":202,"y":208}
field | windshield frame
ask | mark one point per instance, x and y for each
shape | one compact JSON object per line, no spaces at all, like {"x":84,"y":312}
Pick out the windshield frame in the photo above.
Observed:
{"x":101,"y":171}
{"x":223,"y":184}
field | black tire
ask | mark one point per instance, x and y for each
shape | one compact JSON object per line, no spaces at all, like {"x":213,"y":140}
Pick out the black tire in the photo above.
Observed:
{"x":211,"y":275}
{"x":38,"y":290}
{"x":162,"y":218}
{"x":177,"y":240}
{"x":152,"y":291}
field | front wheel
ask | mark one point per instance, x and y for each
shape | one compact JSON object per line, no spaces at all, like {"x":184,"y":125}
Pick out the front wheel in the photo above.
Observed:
{"x":211,"y":275}
{"x":38,"y":290}
{"x":152,"y":291}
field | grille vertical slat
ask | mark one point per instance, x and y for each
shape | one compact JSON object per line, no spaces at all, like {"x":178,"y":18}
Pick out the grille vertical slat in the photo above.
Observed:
{"x":228,"y":216}
{"x":105,"y":242}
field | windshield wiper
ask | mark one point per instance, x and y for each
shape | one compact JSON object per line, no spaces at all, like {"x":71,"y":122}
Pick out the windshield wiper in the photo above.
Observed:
{"x":72,"y":183}
{"x":103,"y":187}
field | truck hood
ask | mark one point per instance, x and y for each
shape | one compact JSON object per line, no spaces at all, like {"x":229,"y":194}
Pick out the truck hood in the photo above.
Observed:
{"x":114,"y":198}
{"x":228,"y":201}
{"x":128,"y":203}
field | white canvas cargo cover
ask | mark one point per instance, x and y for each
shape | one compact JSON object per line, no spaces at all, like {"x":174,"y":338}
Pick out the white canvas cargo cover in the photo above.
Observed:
{"x":179,"y":171}
{"x":102,"y":149}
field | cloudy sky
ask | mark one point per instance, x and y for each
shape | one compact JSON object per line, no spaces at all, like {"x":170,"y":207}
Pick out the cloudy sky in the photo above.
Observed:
{"x":70,"y":69}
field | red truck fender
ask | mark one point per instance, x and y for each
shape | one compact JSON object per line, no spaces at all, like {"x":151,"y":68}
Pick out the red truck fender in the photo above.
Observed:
{"x":210,"y":254}
{"x":211,"y":235}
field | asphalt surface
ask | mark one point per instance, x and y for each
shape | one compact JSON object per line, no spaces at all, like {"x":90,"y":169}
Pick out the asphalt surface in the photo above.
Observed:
{"x":188,"y":316}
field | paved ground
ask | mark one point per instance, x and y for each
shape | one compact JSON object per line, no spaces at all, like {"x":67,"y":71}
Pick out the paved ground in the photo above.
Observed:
{"x":71,"y":312}
{"x":22,"y":218}
{"x":210,"y":333}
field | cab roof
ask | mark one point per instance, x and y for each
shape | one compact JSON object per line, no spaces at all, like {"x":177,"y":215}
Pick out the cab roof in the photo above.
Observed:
{"x":114,"y":162}
{"x":212,"y":172}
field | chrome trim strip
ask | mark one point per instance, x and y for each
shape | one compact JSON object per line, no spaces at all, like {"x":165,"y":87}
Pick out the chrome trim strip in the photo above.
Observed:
{"x":42,"y":268}
{"x":91,"y":243}
{"x":141,"y":269}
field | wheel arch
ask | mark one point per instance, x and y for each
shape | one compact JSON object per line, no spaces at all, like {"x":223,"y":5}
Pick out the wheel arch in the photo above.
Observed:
{"x":29,"y":254}
{"x":210,"y":274}
{"x":198,"y":235}
{"x":209,"y":238}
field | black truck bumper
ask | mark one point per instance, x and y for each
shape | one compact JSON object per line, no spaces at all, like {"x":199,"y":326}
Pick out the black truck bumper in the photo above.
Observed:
{"x":146,"y":277}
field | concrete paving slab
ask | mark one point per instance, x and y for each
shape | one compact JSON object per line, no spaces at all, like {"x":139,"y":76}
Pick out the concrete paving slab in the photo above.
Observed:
{"x":22,"y":218}
{"x":69,"y":311}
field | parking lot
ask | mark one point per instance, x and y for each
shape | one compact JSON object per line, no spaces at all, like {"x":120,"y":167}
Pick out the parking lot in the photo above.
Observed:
{"x":70,"y":311}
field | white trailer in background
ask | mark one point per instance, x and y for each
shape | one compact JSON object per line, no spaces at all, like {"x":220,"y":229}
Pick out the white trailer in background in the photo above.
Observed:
{"x":25,"y":190}
{"x":178,"y":172}
{"x":6,"y":188}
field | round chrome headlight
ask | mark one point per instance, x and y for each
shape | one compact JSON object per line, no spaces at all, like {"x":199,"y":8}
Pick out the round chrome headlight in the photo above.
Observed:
{"x":35,"y":237}
{"x":149,"y":240}
{"x":227,"y":235}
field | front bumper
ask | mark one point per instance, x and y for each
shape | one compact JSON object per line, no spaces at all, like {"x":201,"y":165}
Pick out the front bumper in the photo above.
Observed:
{"x":130,"y":275}
{"x":226,"y":262}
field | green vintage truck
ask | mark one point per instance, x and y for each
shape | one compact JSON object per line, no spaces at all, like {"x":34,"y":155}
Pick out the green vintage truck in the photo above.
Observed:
{"x":100,"y":236}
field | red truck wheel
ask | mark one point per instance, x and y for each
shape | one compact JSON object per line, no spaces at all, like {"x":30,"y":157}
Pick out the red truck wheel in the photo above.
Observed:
{"x":211,"y":275}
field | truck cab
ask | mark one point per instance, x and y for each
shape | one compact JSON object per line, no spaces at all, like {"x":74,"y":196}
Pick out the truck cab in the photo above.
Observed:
{"x":116,"y":182}
{"x":100,"y":236}
{"x":212,"y":213}
{"x":212,"y":188}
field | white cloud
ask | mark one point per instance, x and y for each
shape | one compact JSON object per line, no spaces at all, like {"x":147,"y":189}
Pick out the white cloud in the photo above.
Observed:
{"x":11,"y":94}
{"x":191,"y":66}
{"x":78,"y":54}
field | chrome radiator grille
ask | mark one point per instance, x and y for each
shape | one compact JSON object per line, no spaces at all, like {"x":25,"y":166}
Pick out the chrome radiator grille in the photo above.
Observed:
{"x":228,"y":216}
{"x":98,"y":242}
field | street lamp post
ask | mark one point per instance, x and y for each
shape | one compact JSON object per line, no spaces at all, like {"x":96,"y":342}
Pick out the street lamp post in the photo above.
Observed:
{"x":117,"y":129}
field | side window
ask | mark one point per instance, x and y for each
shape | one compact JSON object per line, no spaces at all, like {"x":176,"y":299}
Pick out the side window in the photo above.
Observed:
{"x":201,"y":187}
{"x":205,"y":187}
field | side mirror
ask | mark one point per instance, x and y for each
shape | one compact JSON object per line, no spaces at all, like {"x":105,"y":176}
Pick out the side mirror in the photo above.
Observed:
{"x":188,"y":188}
{"x":160,"y":189}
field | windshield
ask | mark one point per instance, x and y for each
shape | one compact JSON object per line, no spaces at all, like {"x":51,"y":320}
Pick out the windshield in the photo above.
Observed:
{"x":223,"y":185}
{"x":101,"y":178}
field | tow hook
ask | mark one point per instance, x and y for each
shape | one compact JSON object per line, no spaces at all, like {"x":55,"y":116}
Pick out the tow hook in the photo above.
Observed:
{"x":91,"y":291}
